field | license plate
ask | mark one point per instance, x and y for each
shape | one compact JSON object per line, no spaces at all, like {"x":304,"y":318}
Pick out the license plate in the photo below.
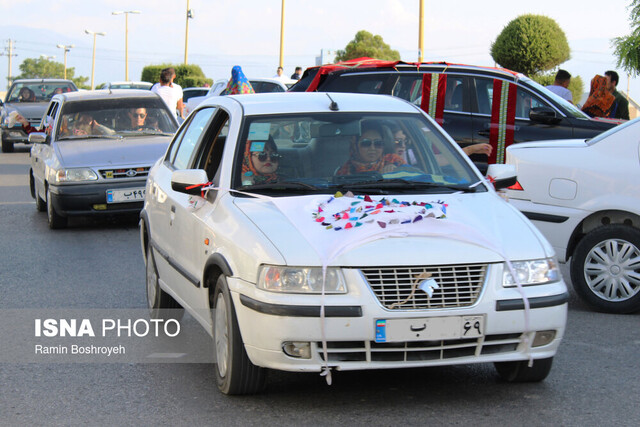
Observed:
{"x":427,"y":329}
{"x":125,"y":195}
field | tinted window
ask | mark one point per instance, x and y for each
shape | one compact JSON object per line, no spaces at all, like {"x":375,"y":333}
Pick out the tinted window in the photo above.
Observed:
{"x":525,"y":101}
{"x":357,"y":83}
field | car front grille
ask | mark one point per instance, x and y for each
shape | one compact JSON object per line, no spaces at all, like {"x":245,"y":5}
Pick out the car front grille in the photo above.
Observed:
{"x":120,"y":173}
{"x":415,"y":351}
{"x":398,"y":288}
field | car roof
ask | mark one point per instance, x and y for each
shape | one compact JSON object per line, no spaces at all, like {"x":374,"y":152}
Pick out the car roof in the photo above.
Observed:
{"x":314,"y":102}
{"x":370,"y":64}
{"x":42,"y":81}
{"x":104,"y":94}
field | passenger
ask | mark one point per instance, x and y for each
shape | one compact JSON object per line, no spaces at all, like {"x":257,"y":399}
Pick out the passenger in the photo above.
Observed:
{"x":260,"y":162}
{"x":84,"y":124}
{"x":367,"y":153}
{"x":401,"y":146}
{"x":27,"y":95}
{"x":138,"y":117}
{"x":26,"y":126}
{"x":238,"y":83}
{"x":600,"y":100}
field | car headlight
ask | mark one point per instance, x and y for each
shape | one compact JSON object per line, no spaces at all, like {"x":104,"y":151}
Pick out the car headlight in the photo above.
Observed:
{"x":75,"y":175}
{"x":301,"y":280}
{"x":533,"y":272}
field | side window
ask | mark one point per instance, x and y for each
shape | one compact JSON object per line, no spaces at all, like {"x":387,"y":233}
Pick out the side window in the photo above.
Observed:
{"x":363,"y":83}
{"x":409,"y":87}
{"x":191,"y":136}
{"x":213,"y":146}
{"x":525,"y":101}
{"x":454,"y":96}
{"x":49,"y":118}
{"x":484,"y":95}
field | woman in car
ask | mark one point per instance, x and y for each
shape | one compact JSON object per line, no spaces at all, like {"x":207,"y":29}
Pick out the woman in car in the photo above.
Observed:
{"x":367,"y":153}
{"x":27,"y":95}
{"x":260,"y":162}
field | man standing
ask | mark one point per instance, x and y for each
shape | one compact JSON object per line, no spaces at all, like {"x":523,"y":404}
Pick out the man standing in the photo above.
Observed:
{"x":620,"y":108}
{"x":170,"y":92}
{"x":561,"y":84}
{"x":297,"y":74}
{"x":278,"y":73}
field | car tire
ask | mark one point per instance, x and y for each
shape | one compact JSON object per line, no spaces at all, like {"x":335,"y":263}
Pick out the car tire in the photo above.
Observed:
{"x":56,"y":221}
{"x":161,"y":304}
{"x":605,"y":269}
{"x":7,"y":146}
{"x":41,"y":205}
{"x":520,"y":372}
{"x":235,"y":374}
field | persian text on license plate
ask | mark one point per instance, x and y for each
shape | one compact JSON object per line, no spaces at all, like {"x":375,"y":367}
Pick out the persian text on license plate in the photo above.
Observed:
{"x":431,"y":328}
{"x":125,"y":195}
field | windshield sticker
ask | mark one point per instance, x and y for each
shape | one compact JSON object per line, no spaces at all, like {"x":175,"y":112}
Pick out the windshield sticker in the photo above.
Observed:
{"x":342,"y":212}
{"x":259,"y":131}
{"x":257,"y":146}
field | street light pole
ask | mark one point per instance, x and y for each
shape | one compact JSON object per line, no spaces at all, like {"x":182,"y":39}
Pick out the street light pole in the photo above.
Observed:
{"x":282,"y":35}
{"x":66,"y":48}
{"x":93,"y":60}
{"x":421,"y":33}
{"x":186,"y":34}
{"x":126,"y":38}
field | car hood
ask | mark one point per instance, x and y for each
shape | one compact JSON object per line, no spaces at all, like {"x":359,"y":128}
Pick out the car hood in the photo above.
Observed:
{"x":144,"y":150}
{"x":32,"y":111}
{"x":477,"y":228}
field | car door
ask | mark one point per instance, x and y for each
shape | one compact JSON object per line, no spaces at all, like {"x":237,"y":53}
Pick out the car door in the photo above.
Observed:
{"x":456,"y":114}
{"x":41,"y":153}
{"x":524,"y":129}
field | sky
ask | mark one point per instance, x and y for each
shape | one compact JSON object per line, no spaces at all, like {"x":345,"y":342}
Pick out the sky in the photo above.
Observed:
{"x":247,"y":33}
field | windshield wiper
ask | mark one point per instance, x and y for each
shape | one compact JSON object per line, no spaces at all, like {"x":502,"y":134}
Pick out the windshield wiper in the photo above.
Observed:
{"x":407,"y":185}
{"x":293,"y":185}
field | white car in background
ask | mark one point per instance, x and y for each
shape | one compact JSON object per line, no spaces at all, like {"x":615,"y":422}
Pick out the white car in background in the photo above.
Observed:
{"x":584,"y":195}
{"x":260,"y":85}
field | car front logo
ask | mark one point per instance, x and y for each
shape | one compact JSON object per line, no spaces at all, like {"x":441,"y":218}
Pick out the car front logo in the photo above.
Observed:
{"x":131,"y":173}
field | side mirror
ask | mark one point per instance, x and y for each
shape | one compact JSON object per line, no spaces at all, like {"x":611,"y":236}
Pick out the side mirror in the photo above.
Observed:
{"x":544,"y":115}
{"x":502,"y":176}
{"x":189,"y":181}
{"x":38,"y":138}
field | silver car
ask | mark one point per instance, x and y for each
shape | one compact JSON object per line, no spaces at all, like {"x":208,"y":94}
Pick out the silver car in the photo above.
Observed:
{"x":95,"y":150}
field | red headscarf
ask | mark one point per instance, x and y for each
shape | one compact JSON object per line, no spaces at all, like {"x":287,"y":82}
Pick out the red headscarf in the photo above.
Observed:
{"x":600,"y":99}
{"x":249,"y":170}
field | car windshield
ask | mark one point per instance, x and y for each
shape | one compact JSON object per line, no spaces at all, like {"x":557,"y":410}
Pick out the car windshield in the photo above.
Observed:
{"x":380,"y":153}
{"x":37,"y":92}
{"x":114,"y":118}
{"x":131,"y":85}
{"x":569,"y":108}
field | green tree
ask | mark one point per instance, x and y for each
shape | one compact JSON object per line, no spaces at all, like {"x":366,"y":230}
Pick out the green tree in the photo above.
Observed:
{"x":42,"y":68}
{"x":531,"y":44}
{"x":186,"y":75}
{"x":576,"y":86}
{"x":627,"y":48}
{"x":366,"y":44}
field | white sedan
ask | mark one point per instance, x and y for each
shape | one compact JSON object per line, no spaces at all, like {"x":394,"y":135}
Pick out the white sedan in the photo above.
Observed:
{"x":584,"y":195}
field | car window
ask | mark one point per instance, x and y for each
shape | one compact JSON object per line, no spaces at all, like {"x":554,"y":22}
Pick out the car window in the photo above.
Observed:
{"x":213,"y":145}
{"x":191,"y":136}
{"x":269,"y":87}
{"x":525,"y":99}
{"x":50,"y":117}
{"x":357,"y":83}
{"x":328,"y":152}
{"x":40,"y":92}
{"x":409,"y":87}
{"x":117,"y":117}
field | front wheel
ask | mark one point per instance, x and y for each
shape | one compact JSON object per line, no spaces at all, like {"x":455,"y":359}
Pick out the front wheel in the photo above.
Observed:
{"x":235,"y":374}
{"x":7,"y":146}
{"x":605,"y":269}
{"x":520,"y":371}
{"x":55,"y":220}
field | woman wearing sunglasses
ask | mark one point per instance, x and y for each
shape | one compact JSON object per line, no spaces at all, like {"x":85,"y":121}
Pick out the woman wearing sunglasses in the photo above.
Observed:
{"x":367,"y":153}
{"x":260,"y":162}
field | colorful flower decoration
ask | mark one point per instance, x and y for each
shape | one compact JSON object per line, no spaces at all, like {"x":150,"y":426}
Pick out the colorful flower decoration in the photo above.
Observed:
{"x":342,"y":212}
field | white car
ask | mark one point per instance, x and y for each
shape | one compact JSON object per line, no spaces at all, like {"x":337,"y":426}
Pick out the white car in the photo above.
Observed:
{"x":584,"y":195}
{"x":314,"y":261}
{"x":260,"y":85}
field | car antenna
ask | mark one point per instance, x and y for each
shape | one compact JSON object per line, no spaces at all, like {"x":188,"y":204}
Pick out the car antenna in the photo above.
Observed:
{"x":334,"y":105}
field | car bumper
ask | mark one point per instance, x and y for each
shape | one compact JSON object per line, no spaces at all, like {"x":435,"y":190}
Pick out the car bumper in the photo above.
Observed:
{"x":348,"y":329}
{"x":91,"y":199}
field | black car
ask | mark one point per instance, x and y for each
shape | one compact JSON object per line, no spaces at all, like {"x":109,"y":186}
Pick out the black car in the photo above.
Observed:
{"x":461,"y":98}
{"x":30,"y":98}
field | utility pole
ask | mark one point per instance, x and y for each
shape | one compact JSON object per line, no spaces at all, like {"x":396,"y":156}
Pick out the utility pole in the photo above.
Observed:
{"x":8,"y":52}
{"x":66,"y":48}
{"x":421,"y":33}
{"x":282,"y":36}
{"x":186,"y":34}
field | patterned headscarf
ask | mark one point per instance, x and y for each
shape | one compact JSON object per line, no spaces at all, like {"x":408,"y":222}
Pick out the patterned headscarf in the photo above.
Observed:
{"x":600,"y":100}
{"x":249,"y":171}
{"x":238,"y":83}
{"x":355,"y":165}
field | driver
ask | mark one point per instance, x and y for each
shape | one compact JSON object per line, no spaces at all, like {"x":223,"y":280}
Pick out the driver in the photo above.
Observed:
{"x":367,"y":153}
{"x":27,"y":95}
{"x":138,"y":118}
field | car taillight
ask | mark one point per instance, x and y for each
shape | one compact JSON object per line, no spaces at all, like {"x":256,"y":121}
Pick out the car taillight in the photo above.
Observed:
{"x":516,"y":187}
